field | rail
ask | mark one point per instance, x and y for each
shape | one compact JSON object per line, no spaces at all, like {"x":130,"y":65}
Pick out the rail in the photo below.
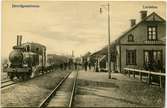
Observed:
{"x":149,"y":73}
{"x":45,"y":102}
{"x":73,"y":91}
{"x":7,"y":83}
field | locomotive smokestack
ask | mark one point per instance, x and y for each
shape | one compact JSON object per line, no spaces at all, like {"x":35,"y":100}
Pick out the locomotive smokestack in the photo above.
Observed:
{"x":19,"y":40}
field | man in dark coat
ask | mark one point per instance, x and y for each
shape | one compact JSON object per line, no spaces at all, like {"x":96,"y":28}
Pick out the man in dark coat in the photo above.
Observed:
{"x":85,"y":65}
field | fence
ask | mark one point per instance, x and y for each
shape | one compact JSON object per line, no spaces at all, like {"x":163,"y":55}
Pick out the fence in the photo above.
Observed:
{"x":149,"y":73}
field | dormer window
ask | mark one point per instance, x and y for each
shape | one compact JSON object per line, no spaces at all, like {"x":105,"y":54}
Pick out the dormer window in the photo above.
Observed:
{"x":151,"y":33}
{"x":130,"y":38}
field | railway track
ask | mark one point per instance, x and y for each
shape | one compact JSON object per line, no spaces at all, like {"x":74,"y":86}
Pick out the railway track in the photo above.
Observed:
{"x":63,"y":94}
{"x":7,"y":83}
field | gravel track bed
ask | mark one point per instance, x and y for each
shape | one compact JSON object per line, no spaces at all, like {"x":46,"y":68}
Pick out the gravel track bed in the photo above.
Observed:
{"x":4,"y":76}
{"x":32,"y":92}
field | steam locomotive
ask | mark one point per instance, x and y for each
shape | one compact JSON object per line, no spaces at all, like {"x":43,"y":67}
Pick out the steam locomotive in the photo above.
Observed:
{"x":26,"y":60}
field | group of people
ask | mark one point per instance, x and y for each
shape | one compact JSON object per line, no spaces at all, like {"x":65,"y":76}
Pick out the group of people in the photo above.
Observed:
{"x":153,"y":65}
{"x":87,"y":65}
{"x":65,"y":66}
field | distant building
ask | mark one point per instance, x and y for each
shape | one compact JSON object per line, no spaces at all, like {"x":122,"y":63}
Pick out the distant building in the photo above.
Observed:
{"x":101,"y":58}
{"x":86,"y":57}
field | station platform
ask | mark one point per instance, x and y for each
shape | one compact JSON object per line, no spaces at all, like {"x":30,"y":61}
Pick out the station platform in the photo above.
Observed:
{"x":94,"y":89}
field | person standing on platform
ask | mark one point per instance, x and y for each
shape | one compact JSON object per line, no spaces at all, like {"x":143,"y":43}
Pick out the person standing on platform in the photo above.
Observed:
{"x":75,"y":65}
{"x":85,"y":65}
{"x":89,"y":65}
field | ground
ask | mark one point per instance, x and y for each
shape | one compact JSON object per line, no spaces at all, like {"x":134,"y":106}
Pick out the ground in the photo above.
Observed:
{"x":94,"y":89}
{"x":3,"y":76}
{"x":32,"y":92}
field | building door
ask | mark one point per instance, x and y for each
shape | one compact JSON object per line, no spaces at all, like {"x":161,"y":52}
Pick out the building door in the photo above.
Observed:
{"x":152,"y":59}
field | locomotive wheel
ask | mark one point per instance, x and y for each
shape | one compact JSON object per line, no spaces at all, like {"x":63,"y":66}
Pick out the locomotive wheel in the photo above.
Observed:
{"x":18,"y":76}
{"x":24,"y":77}
{"x":21,"y":77}
{"x":11,"y":77}
{"x":27,"y":76}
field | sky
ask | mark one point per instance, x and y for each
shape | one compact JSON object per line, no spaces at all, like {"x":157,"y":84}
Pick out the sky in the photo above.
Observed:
{"x":66,"y":26}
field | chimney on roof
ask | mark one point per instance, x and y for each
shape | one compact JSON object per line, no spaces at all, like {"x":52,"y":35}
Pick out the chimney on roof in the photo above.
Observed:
{"x":132,"y":22}
{"x":143,"y":14}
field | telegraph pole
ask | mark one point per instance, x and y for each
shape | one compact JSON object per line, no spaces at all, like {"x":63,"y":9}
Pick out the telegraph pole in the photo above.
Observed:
{"x":109,"y":52}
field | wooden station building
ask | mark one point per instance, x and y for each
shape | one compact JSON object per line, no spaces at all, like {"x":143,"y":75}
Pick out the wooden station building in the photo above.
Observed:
{"x":142,"y":46}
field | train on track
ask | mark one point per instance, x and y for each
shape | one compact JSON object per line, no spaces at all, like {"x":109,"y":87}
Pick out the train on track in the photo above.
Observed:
{"x":26,"y":60}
